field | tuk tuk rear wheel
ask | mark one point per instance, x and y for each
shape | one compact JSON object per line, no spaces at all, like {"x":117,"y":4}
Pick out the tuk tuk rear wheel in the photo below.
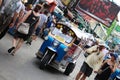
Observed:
{"x":45,"y":61}
{"x":38,"y":57}
{"x":69,"y":69}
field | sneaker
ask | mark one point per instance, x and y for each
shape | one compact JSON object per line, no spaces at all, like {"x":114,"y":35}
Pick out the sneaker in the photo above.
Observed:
{"x":11,"y":49}
{"x":28,"y":43}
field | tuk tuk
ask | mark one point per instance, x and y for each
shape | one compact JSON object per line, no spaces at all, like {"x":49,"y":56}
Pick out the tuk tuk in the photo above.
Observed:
{"x":60,"y":48}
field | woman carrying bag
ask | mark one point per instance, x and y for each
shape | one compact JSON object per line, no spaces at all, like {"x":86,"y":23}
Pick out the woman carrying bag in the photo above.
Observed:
{"x":30,"y":20}
{"x":107,"y":68}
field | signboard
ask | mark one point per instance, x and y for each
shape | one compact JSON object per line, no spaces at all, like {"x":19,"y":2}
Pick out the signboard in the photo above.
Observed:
{"x":66,"y":2}
{"x":103,"y":11}
{"x":100,"y":31}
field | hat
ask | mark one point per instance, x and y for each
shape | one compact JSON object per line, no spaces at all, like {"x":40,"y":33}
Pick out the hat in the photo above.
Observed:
{"x":104,"y":45}
{"x":29,"y":6}
{"x":101,"y":44}
{"x":111,"y":50}
{"x":114,"y":55}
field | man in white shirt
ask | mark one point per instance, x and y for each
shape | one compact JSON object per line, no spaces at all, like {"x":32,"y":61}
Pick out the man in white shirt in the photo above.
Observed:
{"x":19,"y":11}
{"x":93,"y":61}
{"x":9,"y":15}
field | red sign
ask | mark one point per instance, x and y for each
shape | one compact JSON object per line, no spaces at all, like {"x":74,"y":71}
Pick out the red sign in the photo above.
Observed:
{"x":103,"y":11}
{"x":72,"y":50}
{"x":52,"y":4}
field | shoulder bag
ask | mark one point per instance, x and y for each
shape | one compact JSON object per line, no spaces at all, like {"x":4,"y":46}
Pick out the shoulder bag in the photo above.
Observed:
{"x":101,"y":71}
{"x":24,"y":27}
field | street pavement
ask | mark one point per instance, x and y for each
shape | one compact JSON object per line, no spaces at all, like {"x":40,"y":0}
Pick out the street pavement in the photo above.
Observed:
{"x":25,"y":66}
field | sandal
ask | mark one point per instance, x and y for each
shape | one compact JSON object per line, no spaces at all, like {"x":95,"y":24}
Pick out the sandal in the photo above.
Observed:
{"x":11,"y":49}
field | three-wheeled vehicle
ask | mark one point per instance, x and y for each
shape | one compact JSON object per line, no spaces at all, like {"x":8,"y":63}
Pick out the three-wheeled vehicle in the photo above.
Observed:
{"x":60,"y":48}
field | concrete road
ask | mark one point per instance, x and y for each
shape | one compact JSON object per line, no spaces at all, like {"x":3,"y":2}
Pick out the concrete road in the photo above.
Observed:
{"x":25,"y":66}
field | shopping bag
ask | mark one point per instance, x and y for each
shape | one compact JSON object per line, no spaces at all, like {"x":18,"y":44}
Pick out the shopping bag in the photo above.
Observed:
{"x":24,"y":28}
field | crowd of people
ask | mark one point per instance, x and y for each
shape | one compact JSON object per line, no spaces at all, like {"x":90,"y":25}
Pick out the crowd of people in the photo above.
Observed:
{"x":16,"y":13}
{"x":104,"y":62}
{"x":101,"y":60}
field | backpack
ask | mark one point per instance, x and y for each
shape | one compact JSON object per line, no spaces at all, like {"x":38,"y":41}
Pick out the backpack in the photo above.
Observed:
{"x":11,"y":8}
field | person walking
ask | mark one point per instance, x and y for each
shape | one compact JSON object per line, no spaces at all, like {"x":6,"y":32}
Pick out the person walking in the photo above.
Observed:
{"x":9,"y":15}
{"x":16,"y":19}
{"x":41,"y":26}
{"x":116,"y":74}
{"x":93,"y":61}
{"x":107,"y":68}
{"x":32,"y":18}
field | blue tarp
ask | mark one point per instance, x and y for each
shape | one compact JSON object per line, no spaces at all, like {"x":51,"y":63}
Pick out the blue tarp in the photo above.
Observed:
{"x":116,"y":40}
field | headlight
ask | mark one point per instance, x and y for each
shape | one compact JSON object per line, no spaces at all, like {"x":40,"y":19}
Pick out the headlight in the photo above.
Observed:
{"x":56,"y":43}
{"x":66,"y":49}
{"x":46,"y":37}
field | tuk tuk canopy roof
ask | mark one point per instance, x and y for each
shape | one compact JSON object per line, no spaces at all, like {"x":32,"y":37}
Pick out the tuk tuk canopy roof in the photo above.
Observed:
{"x":80,"y":34}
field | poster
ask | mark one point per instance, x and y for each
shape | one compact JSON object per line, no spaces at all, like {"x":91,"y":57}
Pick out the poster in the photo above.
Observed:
{"x":103,"y":11}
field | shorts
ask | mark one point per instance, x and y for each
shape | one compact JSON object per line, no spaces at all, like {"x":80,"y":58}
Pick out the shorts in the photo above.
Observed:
{"x":22,"y":36}
{"x":86,"y":69}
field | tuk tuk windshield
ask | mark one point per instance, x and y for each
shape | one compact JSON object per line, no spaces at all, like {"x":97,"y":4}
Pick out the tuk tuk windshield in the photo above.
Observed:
{"x":63,"y":33}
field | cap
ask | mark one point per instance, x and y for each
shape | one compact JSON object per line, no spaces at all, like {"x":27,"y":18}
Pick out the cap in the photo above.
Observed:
{"x":114,"y":55}
{"x":29,"y":6}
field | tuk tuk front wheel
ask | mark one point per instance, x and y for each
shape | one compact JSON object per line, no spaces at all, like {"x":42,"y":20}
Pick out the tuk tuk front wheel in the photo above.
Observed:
{"x":45,"y":60}
{"x":69,"y":69}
